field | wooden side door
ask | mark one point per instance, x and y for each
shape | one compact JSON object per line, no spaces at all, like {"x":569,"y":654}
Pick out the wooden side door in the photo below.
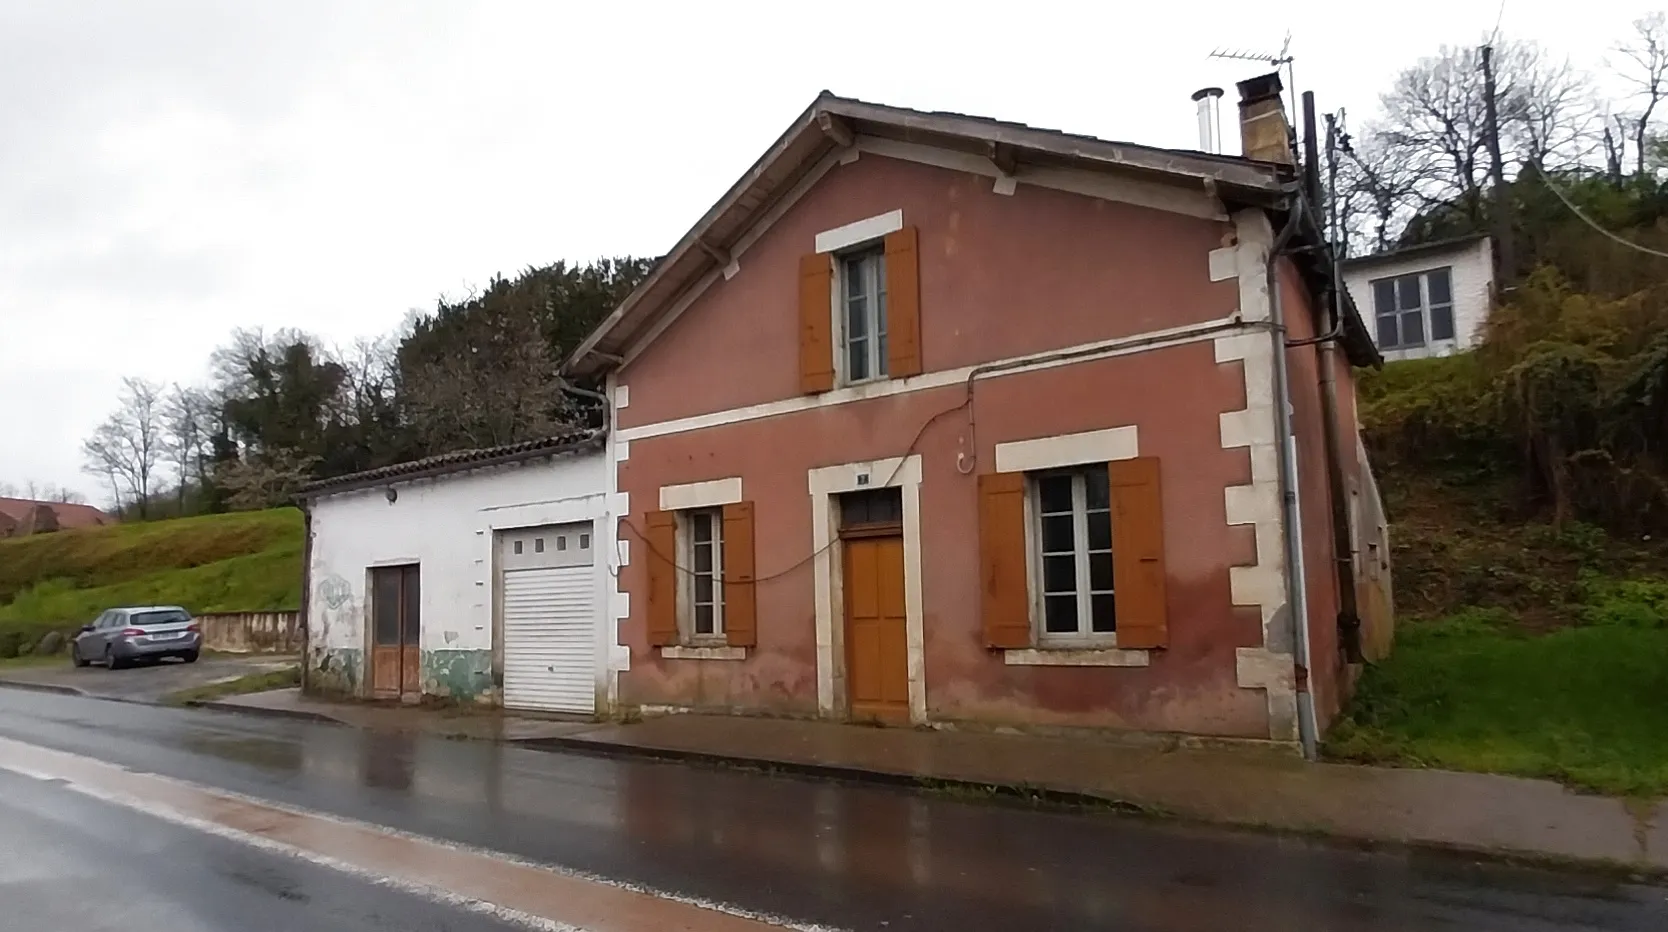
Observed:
{"x":877,"y":647}
{"x":396,"y":663}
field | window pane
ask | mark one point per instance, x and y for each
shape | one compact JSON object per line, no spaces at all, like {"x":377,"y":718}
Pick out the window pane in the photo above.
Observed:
{"x":1096,"y":489}
{"x":857,"y":318}
{"x":584,"y":541}
{"x":1060,"y":574}
{"x":880,"y":354}
{"x":1100,"y":572}
{"x":1100,"y":530}
{"x":385,"y":604}
{"x":1413,"y":328}
{"x":1439,"y":286}
{"x":703,"y":558}
{"x":880,"y":314}
{"x":1060,"y":614}
{"x":1384,"y":296}
{"x":1387,"y":336}
{"x":518,"y":546}
{"x":701,"y":524}
{"x":1442,"y":322}
{"x":857,"y":360}
{"x":1055,"y":494}
{"x":1105,"y":610}
{"x":538,"y":545}
{"x":703,"y":619}
{"x":1407,"y":292}
{"x":703,"y":589}
{"x":562,"y":542}
{"x":410,"y":619}
{"x":853,"y":273}
{"x":1057,"y":534}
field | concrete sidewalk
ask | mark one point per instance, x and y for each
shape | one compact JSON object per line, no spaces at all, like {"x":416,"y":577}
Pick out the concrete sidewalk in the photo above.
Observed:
{"x":1483,"y":813}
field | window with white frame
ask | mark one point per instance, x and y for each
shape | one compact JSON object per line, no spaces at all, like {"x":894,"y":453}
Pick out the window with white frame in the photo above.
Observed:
{"x":862,"y":307}
{"x":702,"y":531}
{"x":1411,"y":308}
{"x":1072,"y":532}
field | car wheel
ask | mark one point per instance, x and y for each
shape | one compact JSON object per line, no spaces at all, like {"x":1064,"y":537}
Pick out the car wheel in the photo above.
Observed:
{"x":75,"y":656}
{"x":189,"y":656}
{"x":112,"y":661}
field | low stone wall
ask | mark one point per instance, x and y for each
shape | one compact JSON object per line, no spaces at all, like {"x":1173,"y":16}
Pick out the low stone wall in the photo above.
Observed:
{"x":251,"y":632}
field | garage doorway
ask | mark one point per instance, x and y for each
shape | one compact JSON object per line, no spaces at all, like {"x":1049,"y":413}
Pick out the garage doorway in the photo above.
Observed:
{"x":547,"y":591}
{"x":396,"y":629}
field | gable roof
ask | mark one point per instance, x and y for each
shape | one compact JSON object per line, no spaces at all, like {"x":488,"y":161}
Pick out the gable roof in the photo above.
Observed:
{"x":442,"y":464}
{"x":829,"y":122}
{"x":832,"y":122}
{"x":69,"y":515}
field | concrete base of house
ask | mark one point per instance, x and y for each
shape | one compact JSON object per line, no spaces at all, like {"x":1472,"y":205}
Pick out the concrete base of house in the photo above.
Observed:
{"x":463,"y":677}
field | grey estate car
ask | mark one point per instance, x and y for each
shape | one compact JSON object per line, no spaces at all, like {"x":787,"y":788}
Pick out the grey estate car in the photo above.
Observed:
{"x":122,"y":635}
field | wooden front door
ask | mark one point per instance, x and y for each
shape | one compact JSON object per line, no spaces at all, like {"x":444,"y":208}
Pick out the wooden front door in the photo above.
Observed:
{"x":877,"y":645}
{"x":396,"y":661}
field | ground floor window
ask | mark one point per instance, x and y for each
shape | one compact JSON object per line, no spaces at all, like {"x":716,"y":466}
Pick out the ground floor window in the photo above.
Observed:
{"x":1073,"y":567}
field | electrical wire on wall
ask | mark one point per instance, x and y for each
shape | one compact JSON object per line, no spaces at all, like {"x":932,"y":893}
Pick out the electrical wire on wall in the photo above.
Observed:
{"x":766,"y":577}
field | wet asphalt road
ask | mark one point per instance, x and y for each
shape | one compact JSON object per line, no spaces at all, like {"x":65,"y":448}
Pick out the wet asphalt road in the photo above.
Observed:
{"x":845,"y":856}
{"x":69,"y":863}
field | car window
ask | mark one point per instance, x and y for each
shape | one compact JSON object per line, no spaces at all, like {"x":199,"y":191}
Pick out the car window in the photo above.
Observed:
{"x":102,"y":620}
{"x":171,"y":617}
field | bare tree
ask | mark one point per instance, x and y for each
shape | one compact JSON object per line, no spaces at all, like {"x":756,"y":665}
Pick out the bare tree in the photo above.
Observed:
{"x":1643,"y":64}
{"x":127,"y":446}
{"x":185,"y":422}
{"x":1429,"y":150}
{"x":265,"y":480}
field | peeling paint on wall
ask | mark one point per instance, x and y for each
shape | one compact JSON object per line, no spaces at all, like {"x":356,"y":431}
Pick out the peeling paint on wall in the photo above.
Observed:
{"x":459,"y":675}
{"x":335,"y":671}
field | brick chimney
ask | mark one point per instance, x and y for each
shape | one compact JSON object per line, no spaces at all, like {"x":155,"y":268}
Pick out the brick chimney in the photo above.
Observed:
{"x":1264,"y":132}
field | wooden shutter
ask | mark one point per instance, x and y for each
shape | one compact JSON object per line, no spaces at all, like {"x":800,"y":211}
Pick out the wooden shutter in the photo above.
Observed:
{"x":741,"y":620}
{"x":816,"y":323}
{"x":1005,"y":601}
{"x":661,"y":531}
{"x":1138,"y":553}
{"x":903,"y":304}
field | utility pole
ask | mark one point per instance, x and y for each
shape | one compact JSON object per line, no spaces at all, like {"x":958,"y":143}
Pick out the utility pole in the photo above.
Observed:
{"x":1497,"y":174}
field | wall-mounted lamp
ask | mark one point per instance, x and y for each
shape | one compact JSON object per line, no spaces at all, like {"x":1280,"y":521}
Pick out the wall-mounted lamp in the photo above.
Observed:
{"x":391,"y":494}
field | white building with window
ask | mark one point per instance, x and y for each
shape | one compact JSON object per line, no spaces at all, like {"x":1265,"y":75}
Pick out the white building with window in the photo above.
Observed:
{"x":1427,"y":300}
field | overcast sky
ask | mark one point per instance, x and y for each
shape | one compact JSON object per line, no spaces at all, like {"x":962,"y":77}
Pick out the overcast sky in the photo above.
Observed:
{"x":171,"y":170}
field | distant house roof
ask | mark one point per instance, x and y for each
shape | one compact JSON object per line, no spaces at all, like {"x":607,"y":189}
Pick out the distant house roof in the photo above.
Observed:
{"x":571,"y":441}
{"x":69,"y":515}
{"x":1433,"y":248}
{"x":819,"y":131}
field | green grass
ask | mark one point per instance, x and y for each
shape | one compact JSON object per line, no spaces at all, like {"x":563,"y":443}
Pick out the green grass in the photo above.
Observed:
{"x":247,"y":561}
{"x":253,"y":683}
{"x":1586,"y":705}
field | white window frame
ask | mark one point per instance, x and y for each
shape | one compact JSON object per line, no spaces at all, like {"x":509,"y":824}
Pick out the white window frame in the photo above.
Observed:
{"x":1085,"y":636}
{"x":1425,"y":309}
{"x":875,"y":299}
{"x":686,"y":579}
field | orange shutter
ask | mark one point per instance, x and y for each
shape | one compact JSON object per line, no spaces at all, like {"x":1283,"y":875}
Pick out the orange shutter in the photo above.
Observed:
{"x":1006,"y":603}
{"x":816,"y":323}
{"x":903,"y":304}
{"x":741,"y":622}
{"x":661,"y":531}
{"x":1138,"y":553}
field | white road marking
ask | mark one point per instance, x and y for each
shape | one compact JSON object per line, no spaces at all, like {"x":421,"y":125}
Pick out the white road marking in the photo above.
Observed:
{"x":510,"y":888}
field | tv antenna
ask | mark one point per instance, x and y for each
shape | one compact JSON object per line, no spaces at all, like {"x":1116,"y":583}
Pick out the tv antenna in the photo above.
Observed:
{"x":1282,"y":59}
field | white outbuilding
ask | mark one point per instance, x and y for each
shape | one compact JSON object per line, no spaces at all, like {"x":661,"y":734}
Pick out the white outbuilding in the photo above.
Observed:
{"x":477,"y":577}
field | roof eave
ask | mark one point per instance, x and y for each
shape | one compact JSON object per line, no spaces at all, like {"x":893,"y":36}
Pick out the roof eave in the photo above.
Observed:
{"x":356,"y":482}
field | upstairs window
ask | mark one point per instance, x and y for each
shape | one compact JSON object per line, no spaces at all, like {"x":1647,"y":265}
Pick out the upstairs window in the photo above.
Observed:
{"x":863,"y":314}
{"x":1413,"y":308}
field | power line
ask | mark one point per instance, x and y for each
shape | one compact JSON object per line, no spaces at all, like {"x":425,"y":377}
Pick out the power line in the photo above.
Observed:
{"x":1591,"y":222}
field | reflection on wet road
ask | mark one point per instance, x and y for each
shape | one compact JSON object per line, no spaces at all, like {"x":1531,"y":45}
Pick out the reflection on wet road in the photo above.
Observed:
{"x":852,"y":857}
{"x":69,"y":863}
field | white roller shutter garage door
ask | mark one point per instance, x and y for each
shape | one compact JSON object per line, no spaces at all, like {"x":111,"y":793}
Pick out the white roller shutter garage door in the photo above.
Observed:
{"x":548,"y":597}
